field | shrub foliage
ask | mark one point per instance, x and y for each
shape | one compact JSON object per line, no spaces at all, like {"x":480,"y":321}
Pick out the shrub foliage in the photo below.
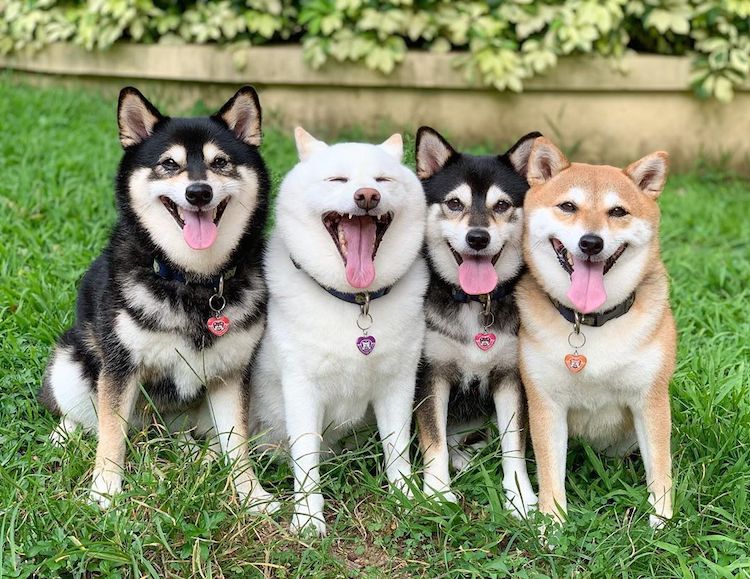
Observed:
{"x":501,"y":43}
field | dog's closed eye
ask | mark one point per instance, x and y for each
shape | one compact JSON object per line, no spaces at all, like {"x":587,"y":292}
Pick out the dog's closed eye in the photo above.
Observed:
{"x":338,"y":179}
{"x":383,"y":179}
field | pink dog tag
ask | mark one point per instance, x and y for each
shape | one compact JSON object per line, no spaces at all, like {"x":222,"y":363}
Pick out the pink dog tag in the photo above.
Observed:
{"x":485,"y":341}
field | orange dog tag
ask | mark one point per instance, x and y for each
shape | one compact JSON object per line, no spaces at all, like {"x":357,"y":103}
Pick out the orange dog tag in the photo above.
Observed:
{"x":575,"y":362}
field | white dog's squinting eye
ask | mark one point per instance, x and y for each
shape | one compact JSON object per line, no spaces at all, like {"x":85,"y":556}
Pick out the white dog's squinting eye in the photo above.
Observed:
{"x":383,"y":179}
{"x":338,"y":179}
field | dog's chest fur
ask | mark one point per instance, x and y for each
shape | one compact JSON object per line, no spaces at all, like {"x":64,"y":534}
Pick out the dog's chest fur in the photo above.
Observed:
{"x":319,"y":332}
{"x":451,"y":353}
{"x":622,"y":364}
{"x":164,"y":332}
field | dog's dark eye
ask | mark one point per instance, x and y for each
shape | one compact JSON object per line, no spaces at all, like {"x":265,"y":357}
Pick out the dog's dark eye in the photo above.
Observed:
{"x":617,"y":212}
{"x":501,"y":206}
{"x":454,"y":204}
{"x":567,"y":207}
{"x":383,"y":179}
{"x":338,"y":179}
{"x":170,"y":164}
{"x":219,"y":163}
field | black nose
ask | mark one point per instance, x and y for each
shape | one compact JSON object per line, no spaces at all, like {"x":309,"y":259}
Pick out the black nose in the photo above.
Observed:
{"x":478,"y":238}
{"x":199,"y":194}
{"x":591,"y":244}
{"x":367,"y":198}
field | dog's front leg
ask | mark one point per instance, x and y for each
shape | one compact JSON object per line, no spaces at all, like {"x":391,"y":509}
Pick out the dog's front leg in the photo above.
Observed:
{"x":432,"y":420}
{"x":653,"y":425}
{"x":116,"y":395}
{"x":228,"y":409}
{"x":304,"y":423}
{"x":393,"y":414}
{"x":549,"y":435}
{"x":508,"y":398}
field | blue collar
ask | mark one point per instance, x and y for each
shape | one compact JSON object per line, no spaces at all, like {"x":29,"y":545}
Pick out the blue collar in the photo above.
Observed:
{"x":503,"y":290}
{"x":359,"y":298}
{"x":168,"y":273}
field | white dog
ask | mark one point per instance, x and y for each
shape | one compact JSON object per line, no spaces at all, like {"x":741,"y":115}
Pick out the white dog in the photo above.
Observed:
{"x":345,"y":322}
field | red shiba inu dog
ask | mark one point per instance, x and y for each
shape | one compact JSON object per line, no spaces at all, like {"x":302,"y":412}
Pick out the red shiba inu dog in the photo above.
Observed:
{"x":597,"y":340}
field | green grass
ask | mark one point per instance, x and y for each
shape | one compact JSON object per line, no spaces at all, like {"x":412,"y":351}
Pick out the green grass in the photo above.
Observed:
{"x":58,"y":152}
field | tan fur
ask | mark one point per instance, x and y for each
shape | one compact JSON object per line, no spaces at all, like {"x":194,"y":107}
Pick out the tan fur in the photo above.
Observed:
{"x":622,"y":393}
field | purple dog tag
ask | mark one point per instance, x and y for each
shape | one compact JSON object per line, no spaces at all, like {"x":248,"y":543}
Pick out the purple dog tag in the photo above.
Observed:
{"x":366,"y":344}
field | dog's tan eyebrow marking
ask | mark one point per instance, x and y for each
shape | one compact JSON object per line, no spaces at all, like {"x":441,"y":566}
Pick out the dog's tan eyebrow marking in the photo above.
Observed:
{"x":211,"y":151}
{"x":462,"y":193}
{"x":176,"y":152}
{"x":495,"y":194}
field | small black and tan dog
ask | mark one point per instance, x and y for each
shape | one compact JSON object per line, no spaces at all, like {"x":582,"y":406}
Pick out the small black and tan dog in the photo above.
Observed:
{"x":174,"y":307}
{"x":470,"y":361}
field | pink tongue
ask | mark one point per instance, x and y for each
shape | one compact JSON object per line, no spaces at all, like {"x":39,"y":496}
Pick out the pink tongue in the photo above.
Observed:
{"x":587,"y":285}
{"x":477,"y":275}
{"x":199,"y":230}
{"x":359,"y":233}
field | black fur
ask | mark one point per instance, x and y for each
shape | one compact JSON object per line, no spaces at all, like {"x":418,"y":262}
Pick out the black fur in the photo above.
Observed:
{"x":470,"y":395}
{"x":128,"y":259}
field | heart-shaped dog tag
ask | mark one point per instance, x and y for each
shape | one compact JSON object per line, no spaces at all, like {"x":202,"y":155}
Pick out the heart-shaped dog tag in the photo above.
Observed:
{"x":484,"y":340}
{"x":366,"y":344}
{"x":575,"y":362}
{"x":218,"y":326}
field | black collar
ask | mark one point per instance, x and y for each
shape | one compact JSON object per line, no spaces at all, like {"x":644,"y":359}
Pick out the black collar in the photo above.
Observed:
{"x":359,"y":298}
{"x":503,"y":290}
{"x":164,"y":271}
{"x":596,"y":319}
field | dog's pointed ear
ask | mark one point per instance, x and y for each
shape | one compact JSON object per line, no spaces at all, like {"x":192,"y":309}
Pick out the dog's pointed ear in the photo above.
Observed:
{"x":306,"y":143}
{"x":394,"y":146}
{"x":136,"y":117}
{"x":544,"y":162}
{"x":650,"y":173}
{"x":433,"y":152}
{"x":242,"y":115}
{"x":518,"y":154}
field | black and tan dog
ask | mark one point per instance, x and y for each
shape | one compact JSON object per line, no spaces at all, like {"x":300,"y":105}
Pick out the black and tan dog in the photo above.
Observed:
{"x":597,"y":339}
{"x":174,"y":307}
{"x":470,"y":362}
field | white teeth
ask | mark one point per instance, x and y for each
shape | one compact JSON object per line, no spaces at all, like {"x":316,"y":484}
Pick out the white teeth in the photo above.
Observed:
{"x":180,"y":212}
{"x":349,"y":215}
{"x":213,"y":213}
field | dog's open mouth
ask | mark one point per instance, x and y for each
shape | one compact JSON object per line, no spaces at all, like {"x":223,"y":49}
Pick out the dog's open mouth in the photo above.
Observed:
{"x":476,"y":273}
{"x":587,"y":292}
{"x":199,"y":228}
{"x":357,"y":237}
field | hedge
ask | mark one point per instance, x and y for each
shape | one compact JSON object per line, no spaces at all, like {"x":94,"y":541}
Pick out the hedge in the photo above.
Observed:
{"x":499,"y":43}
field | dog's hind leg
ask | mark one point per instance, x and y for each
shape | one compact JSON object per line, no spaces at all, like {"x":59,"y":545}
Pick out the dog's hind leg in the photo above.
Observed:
{"x":432,"y":419}
{"x":464,"y":441}
{"x":68,"y":389}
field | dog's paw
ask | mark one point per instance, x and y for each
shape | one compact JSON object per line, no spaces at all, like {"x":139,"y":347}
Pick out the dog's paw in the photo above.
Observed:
{"x":444,"y":495}
{"x":657,"y":522}
{"x":106,"y":484}
{"x":520,"y":505}
{"x":308,"y":524}
{"x":262,"y":502}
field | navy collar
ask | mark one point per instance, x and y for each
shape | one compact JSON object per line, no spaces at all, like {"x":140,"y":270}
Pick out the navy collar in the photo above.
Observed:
{"x":164,"y":271}
{"x":503,"y":290}
{"x":595,"y":319}
{"x":359,"y":298}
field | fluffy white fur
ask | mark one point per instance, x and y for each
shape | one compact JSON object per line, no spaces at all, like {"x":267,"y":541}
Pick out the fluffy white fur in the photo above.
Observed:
{"x":310,"y":381}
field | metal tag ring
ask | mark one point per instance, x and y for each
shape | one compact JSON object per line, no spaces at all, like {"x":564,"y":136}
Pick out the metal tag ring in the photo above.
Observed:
{"x":217,"y":299}
{"x":488,"y":320}
{"x":576,"y":346}
{"x":368,"y":320}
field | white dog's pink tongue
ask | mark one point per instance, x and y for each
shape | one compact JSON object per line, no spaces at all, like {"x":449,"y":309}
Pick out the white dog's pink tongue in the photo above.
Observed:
{"x":199,"y":230}
{"x":477,"y":275}
{"x":359,"y":233}
{"x":587,"y":285}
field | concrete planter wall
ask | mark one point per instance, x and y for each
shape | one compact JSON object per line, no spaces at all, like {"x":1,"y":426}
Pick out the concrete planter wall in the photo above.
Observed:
{"x":591,"y":110}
